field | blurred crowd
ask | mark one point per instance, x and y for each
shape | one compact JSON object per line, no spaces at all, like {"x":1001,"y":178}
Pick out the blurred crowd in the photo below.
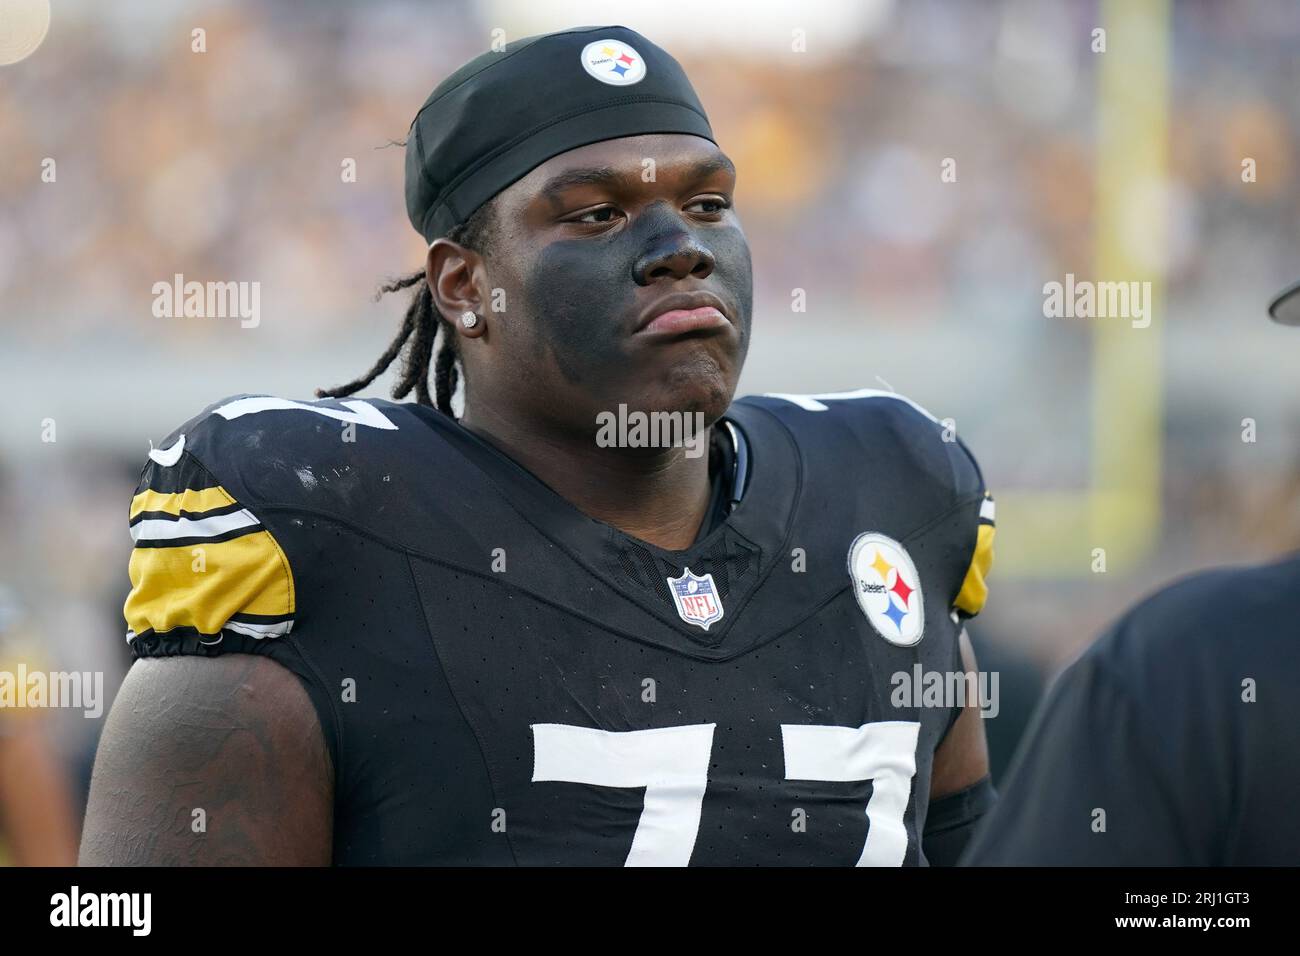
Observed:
{"x":228,"y":164}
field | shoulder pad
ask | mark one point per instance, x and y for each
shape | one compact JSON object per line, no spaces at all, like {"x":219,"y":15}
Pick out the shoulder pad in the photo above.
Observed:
{"x":892,"y":442}
{"x":268,"y":450}
{"x":205,"y":563}
{"x":881,"y":426}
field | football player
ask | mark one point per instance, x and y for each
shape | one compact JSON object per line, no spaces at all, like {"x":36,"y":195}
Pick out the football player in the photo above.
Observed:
{"x":1170,"y":741}
{"x":373,"y":633}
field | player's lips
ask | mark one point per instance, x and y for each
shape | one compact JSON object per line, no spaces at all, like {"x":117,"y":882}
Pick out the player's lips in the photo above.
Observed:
{"x":683,"y":312}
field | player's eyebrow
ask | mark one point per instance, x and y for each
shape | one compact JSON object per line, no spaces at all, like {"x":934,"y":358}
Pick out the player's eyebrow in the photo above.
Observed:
{"x":714,"y":164}
{"x":594,"y":176}
{"x":610,"y":176}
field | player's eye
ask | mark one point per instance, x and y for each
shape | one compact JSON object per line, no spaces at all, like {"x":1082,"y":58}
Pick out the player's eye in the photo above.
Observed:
{"x":598,"y":216}
{"x":717,"y":204}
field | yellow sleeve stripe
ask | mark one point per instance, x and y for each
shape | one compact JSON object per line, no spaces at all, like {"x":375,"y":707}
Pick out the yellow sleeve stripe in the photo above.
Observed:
{"x":974,"y":589}
{"x":204,"y":585}
{"x":191,"y":501}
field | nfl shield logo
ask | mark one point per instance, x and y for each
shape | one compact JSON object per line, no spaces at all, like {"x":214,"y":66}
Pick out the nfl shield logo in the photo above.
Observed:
{"x":696,"y":598}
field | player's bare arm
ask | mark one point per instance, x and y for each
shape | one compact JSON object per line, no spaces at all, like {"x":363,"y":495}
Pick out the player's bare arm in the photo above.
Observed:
{"x":963,"y":757}
{"x":961,"y":789}
{"x":210,"y":762}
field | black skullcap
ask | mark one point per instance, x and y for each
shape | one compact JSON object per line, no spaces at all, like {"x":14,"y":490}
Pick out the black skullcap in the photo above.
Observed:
{"x":504,"y":113}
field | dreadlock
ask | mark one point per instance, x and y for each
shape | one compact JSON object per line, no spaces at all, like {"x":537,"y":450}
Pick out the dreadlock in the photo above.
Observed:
{"x":420,"y":327}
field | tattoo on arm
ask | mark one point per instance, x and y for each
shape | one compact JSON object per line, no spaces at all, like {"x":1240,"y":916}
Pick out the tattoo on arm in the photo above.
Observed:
{"x":210,"y":762}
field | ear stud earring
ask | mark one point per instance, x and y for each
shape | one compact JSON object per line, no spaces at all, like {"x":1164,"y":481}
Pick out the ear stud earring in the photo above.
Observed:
{"x":468,"y":319}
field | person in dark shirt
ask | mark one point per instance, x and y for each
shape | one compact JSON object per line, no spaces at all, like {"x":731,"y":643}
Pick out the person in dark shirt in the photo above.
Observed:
{"x":1172,"y":740}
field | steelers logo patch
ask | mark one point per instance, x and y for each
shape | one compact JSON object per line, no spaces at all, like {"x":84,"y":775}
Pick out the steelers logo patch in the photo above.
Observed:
{"x":613,"y":62}
{"x":888,"y":588}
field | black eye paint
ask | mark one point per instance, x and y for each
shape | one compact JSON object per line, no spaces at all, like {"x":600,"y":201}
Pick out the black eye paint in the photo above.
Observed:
{"x":582,"y":292}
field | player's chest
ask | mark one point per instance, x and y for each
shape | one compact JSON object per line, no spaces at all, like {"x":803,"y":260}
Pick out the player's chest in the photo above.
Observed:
{"x":604,"y":750}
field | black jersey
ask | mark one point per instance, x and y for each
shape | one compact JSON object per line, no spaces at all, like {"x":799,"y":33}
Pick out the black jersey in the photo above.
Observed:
{"x":1171,"y":741}
{"x":502,"y":679}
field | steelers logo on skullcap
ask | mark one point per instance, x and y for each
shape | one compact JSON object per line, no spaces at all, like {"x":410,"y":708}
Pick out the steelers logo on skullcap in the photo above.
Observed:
{"x":507,"y":111}
{"x":613,"y":62}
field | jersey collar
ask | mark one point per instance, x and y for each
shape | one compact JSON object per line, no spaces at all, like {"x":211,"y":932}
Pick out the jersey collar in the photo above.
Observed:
{"x":765,"y":488}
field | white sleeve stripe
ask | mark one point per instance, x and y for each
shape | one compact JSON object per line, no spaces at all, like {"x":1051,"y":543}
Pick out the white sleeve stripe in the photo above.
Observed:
{"x":160,"y":529}
{"x":278,"y":629}
{"x":259,"y":631}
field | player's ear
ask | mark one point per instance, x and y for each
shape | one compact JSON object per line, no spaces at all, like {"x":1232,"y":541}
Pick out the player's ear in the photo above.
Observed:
{"x":450,"y":270}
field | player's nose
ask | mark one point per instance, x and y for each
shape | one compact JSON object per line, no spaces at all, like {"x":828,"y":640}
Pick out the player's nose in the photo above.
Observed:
{"x":673,"y":253}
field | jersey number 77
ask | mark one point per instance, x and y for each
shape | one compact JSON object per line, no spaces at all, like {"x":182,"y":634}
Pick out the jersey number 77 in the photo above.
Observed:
{"x":672,"y":764}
